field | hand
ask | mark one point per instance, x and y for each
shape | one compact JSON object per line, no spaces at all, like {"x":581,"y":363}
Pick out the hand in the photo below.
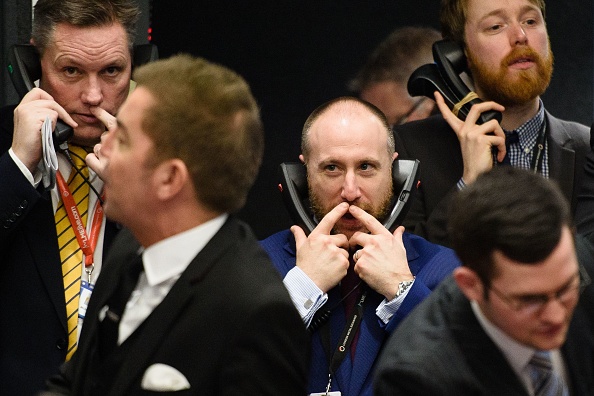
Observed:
{"x":97,"y":160}
{"x":29,"y":116}
{"x":381,"y":263}
{"x":476,"y":141}
{"x":324,"y":258}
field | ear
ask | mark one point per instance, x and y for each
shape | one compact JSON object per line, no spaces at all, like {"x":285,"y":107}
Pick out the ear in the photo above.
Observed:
{"x":302,"y":158}
{"x":394,"y":156}
{"x":169,"y":178}
{"x":469,"y":283}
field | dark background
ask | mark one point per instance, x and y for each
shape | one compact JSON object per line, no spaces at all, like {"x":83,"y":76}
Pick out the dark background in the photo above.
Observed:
{"x":298,"y":54}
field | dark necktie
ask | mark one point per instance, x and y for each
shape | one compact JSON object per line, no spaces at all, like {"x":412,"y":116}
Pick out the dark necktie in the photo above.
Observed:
{"x":109,"y":326}
{"x":510,"y":138}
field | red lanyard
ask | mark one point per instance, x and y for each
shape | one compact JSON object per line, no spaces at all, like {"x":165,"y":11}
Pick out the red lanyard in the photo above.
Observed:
{"x":87,"y":243}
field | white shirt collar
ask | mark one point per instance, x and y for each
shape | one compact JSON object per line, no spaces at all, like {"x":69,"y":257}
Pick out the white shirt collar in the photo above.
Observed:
{"x":170,"y":257}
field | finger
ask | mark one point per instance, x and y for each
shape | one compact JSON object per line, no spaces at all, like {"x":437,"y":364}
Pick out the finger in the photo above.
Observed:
{"x":398,"y":232}
{"x":445,"y":111}
{"x":299,"y":235}
{"x":107,"y":119}
{"x":36,"y":94}
{"x":327,"y":223}
{"x":477,"y":109}
{"x":94,"y":163}
{"x":370,"y":222}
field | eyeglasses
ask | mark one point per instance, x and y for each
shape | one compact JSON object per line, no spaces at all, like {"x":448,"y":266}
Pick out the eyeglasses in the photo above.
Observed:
{"x":532,"y":303}
{"x":404,"y":118}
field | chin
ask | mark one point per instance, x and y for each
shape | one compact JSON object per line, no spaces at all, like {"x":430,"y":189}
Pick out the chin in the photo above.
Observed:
{"x":87,"y":135}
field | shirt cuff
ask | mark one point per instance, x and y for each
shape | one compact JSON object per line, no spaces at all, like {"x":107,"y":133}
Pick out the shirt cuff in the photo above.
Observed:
{"x":34,"y":180}
{"x":387,"y":309}
{"x":306,"y":296}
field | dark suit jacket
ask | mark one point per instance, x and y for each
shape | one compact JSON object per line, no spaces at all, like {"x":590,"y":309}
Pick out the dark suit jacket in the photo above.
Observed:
{"x":436,"y":145}
{"x":33,"y":330}
{"x":430,"y":264}
{"x":584,"y":214}
{"x":441,"y":349}
{"x":228,"y":325}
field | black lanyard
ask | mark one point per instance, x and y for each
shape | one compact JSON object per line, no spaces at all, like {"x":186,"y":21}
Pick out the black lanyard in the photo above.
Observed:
{"x":538,"y":149}
{"x":346,"y":339}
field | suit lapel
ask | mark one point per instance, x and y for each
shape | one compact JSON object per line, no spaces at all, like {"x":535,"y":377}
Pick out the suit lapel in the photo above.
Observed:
{"x":157,"y":325}
{"x":561,"y":158}
{"x":477,"y":348}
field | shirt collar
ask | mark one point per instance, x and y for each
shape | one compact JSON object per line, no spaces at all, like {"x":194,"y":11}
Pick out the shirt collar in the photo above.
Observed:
{"x":171,"y":256}
{"x":528,"y":131}
{"x":518,"y":355}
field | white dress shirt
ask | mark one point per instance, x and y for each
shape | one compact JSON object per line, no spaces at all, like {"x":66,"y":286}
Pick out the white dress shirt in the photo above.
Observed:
{"x":163,"y":264}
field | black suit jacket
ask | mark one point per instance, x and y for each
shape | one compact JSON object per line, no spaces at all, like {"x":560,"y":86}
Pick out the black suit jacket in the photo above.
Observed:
{"x":441,"y":349}
{"x":436,"y":145}
{"x":228,"y":325}
{"x":33,"y":330}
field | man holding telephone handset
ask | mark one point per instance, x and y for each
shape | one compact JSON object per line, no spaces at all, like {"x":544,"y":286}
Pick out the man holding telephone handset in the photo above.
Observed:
{"x":351,"y":279}
{"x":510,"y":60}
{"x":47,"y":270}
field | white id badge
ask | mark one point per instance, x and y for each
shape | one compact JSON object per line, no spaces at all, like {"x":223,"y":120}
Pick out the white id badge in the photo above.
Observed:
{"x":335,"y":393}
{"x":86,"y":289}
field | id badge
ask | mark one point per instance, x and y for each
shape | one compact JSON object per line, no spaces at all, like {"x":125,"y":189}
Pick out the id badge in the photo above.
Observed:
{"x":86,"y":289}
{"x":334,"y":393}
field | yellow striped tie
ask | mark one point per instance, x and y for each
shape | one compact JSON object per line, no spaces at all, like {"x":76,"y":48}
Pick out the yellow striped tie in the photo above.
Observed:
{"x":70,"y":252}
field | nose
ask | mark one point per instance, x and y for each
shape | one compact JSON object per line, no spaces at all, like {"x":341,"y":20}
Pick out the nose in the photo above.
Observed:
{"x":518,"y":35}
{"x":350,"y":187}
{"x":92,"y":94}
{"x":554,"y":311}
{"x":107,"y":142}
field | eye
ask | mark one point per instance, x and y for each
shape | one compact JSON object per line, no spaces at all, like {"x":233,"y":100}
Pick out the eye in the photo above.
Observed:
{"x":70,"y":71}
{"x":531,"y":300}
{"x":330,"y":168}
{"x":494,"y":28}
{"x":112,"y":71}
{"x":365,"y":166}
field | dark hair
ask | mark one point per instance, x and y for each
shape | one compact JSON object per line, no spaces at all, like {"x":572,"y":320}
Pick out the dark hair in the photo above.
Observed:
{"x":453,"y":13}
{"x":205,"y":115}
{"x":395,"y":58}
{"x":510,"y":210}
{"x":82,"y":13}
{"x":323,"y":108}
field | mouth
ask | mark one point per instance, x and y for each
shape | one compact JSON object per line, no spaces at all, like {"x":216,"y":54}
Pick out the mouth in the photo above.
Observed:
{"x":523,"y":62}
{"x":87,"y":118}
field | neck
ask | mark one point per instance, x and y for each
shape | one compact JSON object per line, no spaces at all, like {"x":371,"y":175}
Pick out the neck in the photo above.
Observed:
{"x":165,"y":224}
{"x":515,"y":116}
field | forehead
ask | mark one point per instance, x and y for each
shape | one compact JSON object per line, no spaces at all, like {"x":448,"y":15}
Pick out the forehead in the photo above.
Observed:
{"x":542,"y":277}
{"x":348,"y":129}
{"x":89,"y":44}
{"x":133,"y":111}
{"x":476,"y":9}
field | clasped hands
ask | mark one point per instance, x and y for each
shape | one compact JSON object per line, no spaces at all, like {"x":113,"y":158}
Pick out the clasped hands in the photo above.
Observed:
{"x":380,"y":262}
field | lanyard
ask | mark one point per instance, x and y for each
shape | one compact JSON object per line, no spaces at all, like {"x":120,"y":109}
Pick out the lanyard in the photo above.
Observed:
{"x":87,"y":243}
{"x":538,"y":156}
{"x":346,"y":339}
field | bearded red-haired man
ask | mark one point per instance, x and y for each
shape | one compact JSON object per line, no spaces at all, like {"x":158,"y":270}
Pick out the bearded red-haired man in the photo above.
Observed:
{"x":511,"y":64}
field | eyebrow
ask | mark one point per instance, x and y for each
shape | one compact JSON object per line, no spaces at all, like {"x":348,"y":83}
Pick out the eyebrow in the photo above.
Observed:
{"x":501,"y":11}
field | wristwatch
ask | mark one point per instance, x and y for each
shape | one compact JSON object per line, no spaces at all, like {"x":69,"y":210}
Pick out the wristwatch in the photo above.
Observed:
{"x":403,"y":286}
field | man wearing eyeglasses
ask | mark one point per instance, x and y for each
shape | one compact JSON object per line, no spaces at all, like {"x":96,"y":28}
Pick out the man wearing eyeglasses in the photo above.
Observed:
{"x":516,"y":318}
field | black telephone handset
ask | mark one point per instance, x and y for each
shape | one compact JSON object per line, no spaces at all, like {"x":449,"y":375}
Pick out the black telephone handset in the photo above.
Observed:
{"x":24,"y":68}
{"x":293,"y":186}
{"x":444,"y":76}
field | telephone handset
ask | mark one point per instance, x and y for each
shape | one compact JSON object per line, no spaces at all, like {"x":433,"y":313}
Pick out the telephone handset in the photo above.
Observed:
{"x":444,"y":76}
{"x":24,"y":68}
{"x":293,"y":187}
